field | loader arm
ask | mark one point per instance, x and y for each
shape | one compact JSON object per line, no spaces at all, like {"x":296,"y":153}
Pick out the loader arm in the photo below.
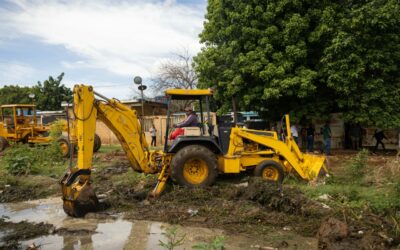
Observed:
{"x":77,"y":193}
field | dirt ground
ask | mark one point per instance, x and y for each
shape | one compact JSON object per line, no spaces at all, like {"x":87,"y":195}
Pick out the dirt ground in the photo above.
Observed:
{"x":237,"y":204}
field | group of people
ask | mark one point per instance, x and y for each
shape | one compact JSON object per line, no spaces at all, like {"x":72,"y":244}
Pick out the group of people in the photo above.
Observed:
{"x":308,"y":135}
{"x":355,"y":131}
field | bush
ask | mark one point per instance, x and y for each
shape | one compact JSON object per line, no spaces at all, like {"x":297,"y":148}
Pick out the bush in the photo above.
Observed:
{"x":56,"y":128}
{"x":357,"y":165}
{"x":23,"y":159}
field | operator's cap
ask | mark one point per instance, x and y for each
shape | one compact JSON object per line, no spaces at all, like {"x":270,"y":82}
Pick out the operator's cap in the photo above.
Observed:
{"x":188,"y":109}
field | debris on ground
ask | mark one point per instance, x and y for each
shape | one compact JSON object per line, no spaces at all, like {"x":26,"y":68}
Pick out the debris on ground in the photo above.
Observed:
{"x":29,"y":188}
{"x":15,"y":232}
{"x":245,"y":205}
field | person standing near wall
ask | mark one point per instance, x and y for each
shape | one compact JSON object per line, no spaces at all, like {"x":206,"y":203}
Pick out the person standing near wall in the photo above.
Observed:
{"x":303,"y":134}
{"x":355,"y":135}
{"x":153,"y":133}
{"x":310,"y":137}
{"x":295,"y":134}
{"x":379,"y":136}
{"x":327,"y":135}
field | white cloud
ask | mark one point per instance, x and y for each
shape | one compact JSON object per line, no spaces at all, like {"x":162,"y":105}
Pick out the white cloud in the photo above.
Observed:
{"x":13,"y":72}
{"x":121,"y":37}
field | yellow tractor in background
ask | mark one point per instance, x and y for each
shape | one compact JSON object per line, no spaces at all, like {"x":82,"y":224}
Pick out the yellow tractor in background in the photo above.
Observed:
{"x":193,"y":159}
{"x":18,"y":123}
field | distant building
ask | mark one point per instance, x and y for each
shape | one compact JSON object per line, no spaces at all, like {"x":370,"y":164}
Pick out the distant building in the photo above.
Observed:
{"x":150,"y":107}
{"x":161,"y":99}
{"x":47,"y":117}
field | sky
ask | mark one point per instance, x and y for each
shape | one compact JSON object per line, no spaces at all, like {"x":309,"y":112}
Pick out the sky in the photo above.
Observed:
{"x":104,"y":43}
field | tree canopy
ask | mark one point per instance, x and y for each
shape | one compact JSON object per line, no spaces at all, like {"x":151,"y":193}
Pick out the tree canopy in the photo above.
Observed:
{"x":51,"y":93}
{"x":48,"y":95}
{"x":310,"y":58}
{"x":11,"y":94}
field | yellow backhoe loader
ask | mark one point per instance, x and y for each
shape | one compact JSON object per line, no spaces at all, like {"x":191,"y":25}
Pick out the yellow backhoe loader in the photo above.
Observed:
{"x":193,"y":159}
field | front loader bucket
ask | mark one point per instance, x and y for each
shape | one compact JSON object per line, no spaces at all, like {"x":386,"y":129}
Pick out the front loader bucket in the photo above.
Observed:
{"x":313,"y":166}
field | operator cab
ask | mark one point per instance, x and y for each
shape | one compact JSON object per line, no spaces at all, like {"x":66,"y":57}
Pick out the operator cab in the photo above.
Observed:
{"x":205,"y":133}
{"x":21,"y":115}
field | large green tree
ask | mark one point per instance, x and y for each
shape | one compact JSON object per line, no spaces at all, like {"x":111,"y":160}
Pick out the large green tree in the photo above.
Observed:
{"x":51,"y":93}
{"x":48,"y":95}
{"x":306,"y":57}
{"x":14,"y":94}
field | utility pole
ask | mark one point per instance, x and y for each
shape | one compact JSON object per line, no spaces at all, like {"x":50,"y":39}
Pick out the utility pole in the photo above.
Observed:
{"x":138,"y":80}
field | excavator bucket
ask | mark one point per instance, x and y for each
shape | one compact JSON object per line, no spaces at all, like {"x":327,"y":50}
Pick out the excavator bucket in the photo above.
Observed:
{"x":78,"y":198}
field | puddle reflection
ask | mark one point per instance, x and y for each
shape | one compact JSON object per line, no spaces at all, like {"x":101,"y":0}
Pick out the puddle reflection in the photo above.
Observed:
{"x":114,"y":233}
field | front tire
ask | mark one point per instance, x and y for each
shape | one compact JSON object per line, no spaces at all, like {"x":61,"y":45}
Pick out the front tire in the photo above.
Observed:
{"x":194,"y":166}
{"x":270,"y":171}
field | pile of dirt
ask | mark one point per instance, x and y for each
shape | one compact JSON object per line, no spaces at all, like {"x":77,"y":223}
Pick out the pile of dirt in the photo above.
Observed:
{"x":116,"y":168}
{"x":336,"y":234}
{"x":254,"y":207}
{"x":12,"y":194}
{"x":15,"y":232}
{"x":289,"y":200}
{"x":29,"y":188}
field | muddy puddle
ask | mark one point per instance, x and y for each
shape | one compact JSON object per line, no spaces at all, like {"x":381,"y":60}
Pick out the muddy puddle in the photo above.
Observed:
{"x":104,"y":231}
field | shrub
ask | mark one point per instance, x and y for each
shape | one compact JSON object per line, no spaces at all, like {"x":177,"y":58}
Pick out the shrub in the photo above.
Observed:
{"x":23,"y":159}
{"x":217,"y":244}
{"x":357,"y":165}
{"x":56,"y":128}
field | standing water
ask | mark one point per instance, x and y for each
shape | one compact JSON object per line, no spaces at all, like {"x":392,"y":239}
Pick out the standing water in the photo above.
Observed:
{"x":117,"y":233}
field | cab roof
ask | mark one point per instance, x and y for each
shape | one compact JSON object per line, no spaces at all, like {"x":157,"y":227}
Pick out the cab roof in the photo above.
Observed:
{"x":188,"y":93}
{"x":18,"y":106}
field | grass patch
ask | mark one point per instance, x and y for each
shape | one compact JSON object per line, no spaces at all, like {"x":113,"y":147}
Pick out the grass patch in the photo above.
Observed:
{"x":355,"y":196}
{"x":360,"y":185}
{"x":131,"y":179}
{"x":112,"y":148}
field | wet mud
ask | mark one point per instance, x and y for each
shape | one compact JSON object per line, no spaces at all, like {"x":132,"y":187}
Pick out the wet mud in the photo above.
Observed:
{"x":111,"y":231}
{"x":13,"y":233}
{"x":250,"y":212}
{"x":29,"y":188}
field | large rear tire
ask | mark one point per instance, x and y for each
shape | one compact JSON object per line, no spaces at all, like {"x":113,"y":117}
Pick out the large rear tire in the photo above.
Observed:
{"x":270,"y":171}
{"x":3,"y":143}
{"x":97,"y":143}
{"x":194,"y":166}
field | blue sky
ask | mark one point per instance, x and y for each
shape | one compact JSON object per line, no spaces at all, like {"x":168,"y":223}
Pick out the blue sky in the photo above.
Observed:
{"x":99,"y":42}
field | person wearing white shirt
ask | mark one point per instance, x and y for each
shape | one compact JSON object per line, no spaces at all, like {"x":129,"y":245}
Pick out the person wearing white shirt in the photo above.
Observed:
{"x":295,"y":134}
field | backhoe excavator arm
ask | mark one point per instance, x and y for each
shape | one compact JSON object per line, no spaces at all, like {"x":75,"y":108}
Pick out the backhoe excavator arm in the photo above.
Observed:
{"x":78,"y":196}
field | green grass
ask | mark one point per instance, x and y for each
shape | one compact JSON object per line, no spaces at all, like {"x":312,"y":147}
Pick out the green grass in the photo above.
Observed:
{"x":110,"y":148}
{"x":355,"y":196}
{"x":131,"y":178}
{"x":352,"y":188}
